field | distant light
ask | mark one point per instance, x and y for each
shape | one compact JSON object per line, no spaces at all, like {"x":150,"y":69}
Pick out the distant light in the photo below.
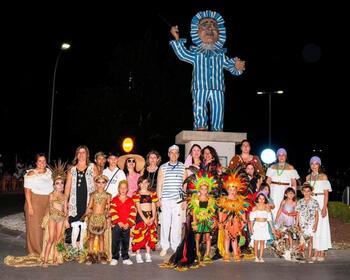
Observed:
{"x":65,"y":46}
{"x":127,"y":145}
{"x":268,"y":156}
{"x":270,"y":92}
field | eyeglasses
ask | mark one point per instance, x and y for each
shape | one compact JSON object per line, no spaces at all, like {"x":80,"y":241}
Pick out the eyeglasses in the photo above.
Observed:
{"x":131,"y":160}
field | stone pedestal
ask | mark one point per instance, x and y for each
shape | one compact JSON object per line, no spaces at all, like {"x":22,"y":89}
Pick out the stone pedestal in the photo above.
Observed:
{"x":223,"y":142}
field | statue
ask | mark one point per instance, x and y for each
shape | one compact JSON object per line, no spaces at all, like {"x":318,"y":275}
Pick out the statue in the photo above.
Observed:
{"x":209,"y":60}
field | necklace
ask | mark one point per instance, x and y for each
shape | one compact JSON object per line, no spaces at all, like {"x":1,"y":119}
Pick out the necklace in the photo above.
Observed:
{"x":280,"y":171}
{"x":312,"y":184}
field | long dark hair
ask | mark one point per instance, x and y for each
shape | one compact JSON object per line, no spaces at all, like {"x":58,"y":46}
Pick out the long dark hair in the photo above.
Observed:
{"x":213,"y":153}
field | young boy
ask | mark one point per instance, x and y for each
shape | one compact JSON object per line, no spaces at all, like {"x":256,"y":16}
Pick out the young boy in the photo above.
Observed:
{"x":307,"y":217}
{"x":123,"y":213}
{"x":98,"y":212}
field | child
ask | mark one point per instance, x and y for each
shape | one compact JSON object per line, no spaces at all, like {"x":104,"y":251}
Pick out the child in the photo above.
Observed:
{"x":265,"y":188}
{"x":232,"y":217}
{"x":123,"y":214}
{"x":145,"y":231}
{"x":57,"y":215}
{"x":203,"y":211}
{"x":98,"y":212}
{"x":307,"y":217}
{"x":286,"y":214}
{"x":260,"y":219}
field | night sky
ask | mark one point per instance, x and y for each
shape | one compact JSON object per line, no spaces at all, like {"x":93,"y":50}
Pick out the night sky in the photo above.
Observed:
{"x":121,"y":78}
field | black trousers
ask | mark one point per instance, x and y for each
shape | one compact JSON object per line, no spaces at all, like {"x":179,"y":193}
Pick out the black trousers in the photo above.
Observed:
{"x":120,"y":237}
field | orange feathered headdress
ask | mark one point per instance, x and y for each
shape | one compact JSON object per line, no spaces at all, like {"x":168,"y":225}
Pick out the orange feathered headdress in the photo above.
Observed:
{"x":235,"y":179}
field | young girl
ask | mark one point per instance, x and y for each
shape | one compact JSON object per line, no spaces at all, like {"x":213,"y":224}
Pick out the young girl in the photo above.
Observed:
{"x":265,"y":188}
{"x":203,"y":211}
{"x":145,"y":231}
{"x":286,"y":214}
{"x":57,"y":215}
{"x":232,"y":217}
{"x":260,"y":219}
{"x":98,"y":212}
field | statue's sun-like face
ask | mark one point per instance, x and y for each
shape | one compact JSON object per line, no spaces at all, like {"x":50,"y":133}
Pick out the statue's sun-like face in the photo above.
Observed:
{"x":208,"y":31}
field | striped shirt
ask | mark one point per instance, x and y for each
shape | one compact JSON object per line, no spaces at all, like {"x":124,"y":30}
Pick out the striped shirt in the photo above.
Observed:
{"x":208,"y":65}
{"x":173,"y":180}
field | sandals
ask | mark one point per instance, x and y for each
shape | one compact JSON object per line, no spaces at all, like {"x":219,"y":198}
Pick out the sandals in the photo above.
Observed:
{"x":207,"y":259}
{"x":88,"y":260}
{"x":226,"y":257}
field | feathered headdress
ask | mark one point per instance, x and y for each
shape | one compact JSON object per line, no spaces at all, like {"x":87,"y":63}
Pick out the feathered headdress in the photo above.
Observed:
{"x":205,"y":178}
{"x":234,"y":178}
{"x":58,"y":170}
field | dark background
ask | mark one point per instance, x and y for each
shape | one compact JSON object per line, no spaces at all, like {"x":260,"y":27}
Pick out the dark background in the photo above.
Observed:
{"x":121,"y":78}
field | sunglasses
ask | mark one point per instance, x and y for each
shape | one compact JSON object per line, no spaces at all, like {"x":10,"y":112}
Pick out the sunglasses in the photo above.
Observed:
{"x":131,"y":160}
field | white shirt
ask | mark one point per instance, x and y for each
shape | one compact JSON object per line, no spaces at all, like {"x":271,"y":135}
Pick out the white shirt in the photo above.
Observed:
{"x":39,"y":183}
{"x":112,"y":186}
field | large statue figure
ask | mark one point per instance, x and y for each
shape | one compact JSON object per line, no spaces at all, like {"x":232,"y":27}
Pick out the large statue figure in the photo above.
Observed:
{"x":209,"y":60}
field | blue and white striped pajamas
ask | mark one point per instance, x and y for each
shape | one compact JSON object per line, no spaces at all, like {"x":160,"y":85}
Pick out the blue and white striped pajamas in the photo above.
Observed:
{"x":207,"y":82}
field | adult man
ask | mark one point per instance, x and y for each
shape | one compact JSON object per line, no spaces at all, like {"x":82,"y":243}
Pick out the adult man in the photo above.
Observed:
{"x":100,"y":161}
{"x":114,"y":174}
{"x":169,"y":190}
{"x":209,"y":60}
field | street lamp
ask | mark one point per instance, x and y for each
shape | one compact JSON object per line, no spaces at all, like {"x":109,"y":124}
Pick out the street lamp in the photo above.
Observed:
{"x":64,"y":47}
{"x":270,"y":107}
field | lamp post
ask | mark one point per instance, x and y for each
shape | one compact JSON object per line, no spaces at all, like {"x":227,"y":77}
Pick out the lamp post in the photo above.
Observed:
{"x":270,"y":107}
{"x":64,"y":47}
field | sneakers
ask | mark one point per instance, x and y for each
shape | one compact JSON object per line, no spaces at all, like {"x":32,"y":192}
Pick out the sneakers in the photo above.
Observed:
{"x":163,"y":252}
{"x":113,"y":262}
{"x":148,"y":257}
{"x":128,"y":262}
{"x":256,"y":259}
{"x":320,"y":259}
{"x":139,"y":258}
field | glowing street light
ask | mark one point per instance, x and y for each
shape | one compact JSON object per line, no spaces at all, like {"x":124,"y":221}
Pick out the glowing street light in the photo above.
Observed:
{"x":270,"y":107}
{"x":64,"y":46}
{"x":268,"y":156}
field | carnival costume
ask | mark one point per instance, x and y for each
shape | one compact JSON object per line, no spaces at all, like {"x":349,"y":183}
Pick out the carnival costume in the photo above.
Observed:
{"x":207,"y":76}
{"x":232,"y":212}
{"x":142,"y":233}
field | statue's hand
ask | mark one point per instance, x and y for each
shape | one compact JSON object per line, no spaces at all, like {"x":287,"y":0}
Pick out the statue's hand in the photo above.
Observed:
{"x":175,"y":32}
{"x":239,"y":64}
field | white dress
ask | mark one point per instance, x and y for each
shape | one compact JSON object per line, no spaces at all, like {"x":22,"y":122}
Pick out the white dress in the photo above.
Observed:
{"x":260,"y":229}
{"x":280,"y":181}
{"x":322,"y":239}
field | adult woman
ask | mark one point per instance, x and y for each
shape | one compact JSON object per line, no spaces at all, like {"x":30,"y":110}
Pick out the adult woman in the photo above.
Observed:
{"x":153,"y":160}
{"x":79,"y":186}
{"x":321,"y":188}
{"x":194,"y":157}
{"x":132,"y":165}
{"x":280,"y":176}
{"x":254,"y":179}
{"x":245,"y":158}
{"x":211,"y":161}
{"x":37,"y":187}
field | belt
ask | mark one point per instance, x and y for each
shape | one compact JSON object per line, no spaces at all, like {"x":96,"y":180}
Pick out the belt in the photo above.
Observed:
{"x":316,"y":194}
{"x":280,"y":183}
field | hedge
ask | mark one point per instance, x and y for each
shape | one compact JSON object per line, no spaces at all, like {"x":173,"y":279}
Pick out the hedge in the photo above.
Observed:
{"x":339,"y":210}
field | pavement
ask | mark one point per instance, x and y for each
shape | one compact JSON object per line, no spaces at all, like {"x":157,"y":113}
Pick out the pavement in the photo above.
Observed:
{"x":12,"y":242}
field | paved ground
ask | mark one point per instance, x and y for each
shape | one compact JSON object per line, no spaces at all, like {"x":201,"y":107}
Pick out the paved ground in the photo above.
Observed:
{"x":337,"y":265}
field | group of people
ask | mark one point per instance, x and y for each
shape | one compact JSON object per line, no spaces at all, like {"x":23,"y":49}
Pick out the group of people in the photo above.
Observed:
{"x":200,"y":209}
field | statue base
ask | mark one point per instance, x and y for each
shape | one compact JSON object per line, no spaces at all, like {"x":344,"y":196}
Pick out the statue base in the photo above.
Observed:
{"x":223,"y":142}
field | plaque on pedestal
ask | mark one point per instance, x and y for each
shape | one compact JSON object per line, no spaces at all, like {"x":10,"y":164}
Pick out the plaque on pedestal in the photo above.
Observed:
{"x":223,"y":142}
